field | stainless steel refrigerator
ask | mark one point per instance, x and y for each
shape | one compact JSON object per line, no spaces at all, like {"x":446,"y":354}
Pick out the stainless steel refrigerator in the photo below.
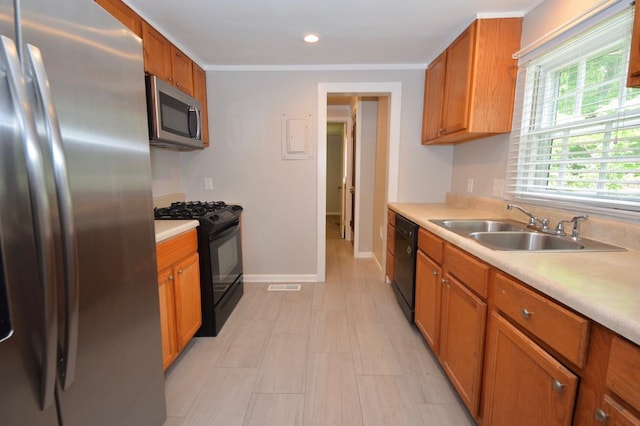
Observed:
{"x":79,"y":316}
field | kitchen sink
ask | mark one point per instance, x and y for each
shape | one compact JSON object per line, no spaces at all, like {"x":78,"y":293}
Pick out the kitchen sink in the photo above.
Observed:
{"x":467,"y":226}
{"x":536,"y":241}
{"x":509,"y":235}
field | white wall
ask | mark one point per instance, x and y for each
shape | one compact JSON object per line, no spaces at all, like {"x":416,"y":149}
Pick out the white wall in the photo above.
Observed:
{"x":279,"y":196}
{"x":484,"y":160}
{"x":380,"y":186}
{"x":367,"y":134}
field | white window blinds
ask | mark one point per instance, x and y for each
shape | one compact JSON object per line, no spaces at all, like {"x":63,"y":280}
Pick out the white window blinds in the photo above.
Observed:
{"x":576,"y":138}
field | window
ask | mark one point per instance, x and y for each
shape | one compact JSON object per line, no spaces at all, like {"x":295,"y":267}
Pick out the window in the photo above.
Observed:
{"x":576,"y":138}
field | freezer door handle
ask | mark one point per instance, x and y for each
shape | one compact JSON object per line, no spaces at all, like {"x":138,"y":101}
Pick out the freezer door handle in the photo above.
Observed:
{"x":41,"y":211}
{"x":67,"y":360}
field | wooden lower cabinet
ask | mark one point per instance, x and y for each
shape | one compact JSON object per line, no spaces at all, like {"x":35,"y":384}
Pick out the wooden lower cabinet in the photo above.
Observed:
{"x":524,"y":385}
{"x":166,"y":290}
{"x":179,"y":291}
{"x":462,"y":340}
{"x":428,"y":297}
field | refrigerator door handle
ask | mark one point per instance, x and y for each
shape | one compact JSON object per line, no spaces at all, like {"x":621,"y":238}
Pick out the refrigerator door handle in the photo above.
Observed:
{"x":41,"y":211}
{"x":67,"y":360}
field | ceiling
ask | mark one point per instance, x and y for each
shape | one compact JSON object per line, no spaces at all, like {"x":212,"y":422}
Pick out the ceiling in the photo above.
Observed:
{"x":353,"y":33}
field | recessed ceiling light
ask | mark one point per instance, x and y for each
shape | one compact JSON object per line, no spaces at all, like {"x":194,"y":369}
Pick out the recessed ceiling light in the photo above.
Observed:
{"x":311,"y":38}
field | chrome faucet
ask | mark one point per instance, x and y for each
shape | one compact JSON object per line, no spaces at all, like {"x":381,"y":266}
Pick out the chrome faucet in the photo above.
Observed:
{"x":575,"y":232}
{"x":533,"y":221}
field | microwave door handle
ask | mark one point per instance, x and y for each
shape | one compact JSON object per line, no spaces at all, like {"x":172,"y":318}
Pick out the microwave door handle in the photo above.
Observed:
{"x":199,"y":124}
{"x":41,"y":211}
{"x":65,"y":207}
{"x":195,"y":111}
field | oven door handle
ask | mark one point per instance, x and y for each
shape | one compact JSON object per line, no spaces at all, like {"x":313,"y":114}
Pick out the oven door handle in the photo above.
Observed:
{"x":227,"y":231}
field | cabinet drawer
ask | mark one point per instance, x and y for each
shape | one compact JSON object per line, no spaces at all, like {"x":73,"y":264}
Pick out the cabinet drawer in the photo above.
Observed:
{"x":623,"y":371}
{"x":558,"y":327}
{"x":173,"y":250}
{"x":431,"y":245}
{"x":473,"y":273}
{"x":391,"y":217}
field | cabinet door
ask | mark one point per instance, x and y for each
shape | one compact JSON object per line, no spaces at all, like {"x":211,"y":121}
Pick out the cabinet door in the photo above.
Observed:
{"x":157,"y":53}
{"x":462,"y":340}
{"x":182,"y":71}
{"x":457,"y":86}
{"x":200,"y":93}
{"x":433,"y":97}
{"x":124,"y":14}
{"x":188,"y":310}
{"x":613,"y":414}
{"x":428,"y":296}
{"x":167,"y":316}
{"x":524,"y":385}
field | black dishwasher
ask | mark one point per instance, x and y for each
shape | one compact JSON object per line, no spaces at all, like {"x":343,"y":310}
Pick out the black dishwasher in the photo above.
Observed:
{"x":404,"y":266}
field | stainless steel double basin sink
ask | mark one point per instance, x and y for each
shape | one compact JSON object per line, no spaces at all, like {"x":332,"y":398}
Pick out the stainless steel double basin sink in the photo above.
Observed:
{"x":509,"y":235}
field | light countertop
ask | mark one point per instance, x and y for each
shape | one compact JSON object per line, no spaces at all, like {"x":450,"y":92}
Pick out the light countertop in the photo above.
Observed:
{"x":166,"y":229}
{"x":603,"y":286}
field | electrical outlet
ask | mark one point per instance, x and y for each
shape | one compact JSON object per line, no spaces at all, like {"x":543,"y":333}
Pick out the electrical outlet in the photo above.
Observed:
{"x":470,"y":185}
{"x":208,"y":184}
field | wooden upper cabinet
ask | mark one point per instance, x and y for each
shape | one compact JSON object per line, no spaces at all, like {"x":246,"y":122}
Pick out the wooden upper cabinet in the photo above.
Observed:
{"x":633,"y":78}
{"x":157,"y":53}
{"x":433,"y":96}
{"x":457,"y":84}
{"x":163,"y":59}
{"x":124,"y":14}
{"x":200,"y":93}
{"x":182,"y":71}
{"x":470,"y":87}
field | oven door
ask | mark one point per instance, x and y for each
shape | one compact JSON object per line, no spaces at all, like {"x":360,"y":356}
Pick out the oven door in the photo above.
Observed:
{"x":225,"y":251}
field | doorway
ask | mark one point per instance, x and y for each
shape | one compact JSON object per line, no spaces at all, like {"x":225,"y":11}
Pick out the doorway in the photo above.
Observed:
{"x":393,"y":92}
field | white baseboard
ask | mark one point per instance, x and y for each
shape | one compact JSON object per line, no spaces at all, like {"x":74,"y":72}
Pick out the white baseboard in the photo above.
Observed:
{"x":363,"y":255}
{"x":280,"y":278}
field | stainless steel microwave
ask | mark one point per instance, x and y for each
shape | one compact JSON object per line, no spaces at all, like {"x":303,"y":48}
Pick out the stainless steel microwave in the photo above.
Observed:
{"x":175,"y":120}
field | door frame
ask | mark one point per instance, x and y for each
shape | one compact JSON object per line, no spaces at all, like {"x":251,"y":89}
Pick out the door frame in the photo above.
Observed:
{"x":394,"y":91}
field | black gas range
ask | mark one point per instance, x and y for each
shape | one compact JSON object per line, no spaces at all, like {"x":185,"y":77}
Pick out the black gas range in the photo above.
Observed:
{"x":220,"y":253}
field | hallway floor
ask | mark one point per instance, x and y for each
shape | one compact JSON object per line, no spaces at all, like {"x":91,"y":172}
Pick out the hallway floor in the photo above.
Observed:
{"x":333,"y":353}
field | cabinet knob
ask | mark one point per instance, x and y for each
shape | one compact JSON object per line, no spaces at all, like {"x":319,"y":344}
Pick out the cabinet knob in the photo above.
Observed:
{"x":526,"y":314}
{"x":180,"y":272}
{"x":443,"y":281}
{"x":170,"y":277}
{"x":178,"y":83}
{"x":557,"y":385}
{"x":435,"y":273}
{"x":601,"y":416}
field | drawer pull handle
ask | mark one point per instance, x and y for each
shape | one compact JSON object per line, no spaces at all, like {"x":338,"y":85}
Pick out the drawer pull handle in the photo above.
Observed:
{"x":526,"y":314}
{"x":601,"y":416}
{"x":557,"y":385}
{"x":435,"y":273}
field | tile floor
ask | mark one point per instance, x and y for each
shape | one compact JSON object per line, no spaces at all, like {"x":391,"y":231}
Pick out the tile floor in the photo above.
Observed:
{"x":333,"y":353}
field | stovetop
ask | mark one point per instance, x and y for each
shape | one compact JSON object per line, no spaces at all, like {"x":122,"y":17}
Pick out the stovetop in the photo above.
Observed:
{"x":210,"y":213}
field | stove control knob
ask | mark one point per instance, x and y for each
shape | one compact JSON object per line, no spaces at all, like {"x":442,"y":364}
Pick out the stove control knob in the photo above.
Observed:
{"x":215,"y":218}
